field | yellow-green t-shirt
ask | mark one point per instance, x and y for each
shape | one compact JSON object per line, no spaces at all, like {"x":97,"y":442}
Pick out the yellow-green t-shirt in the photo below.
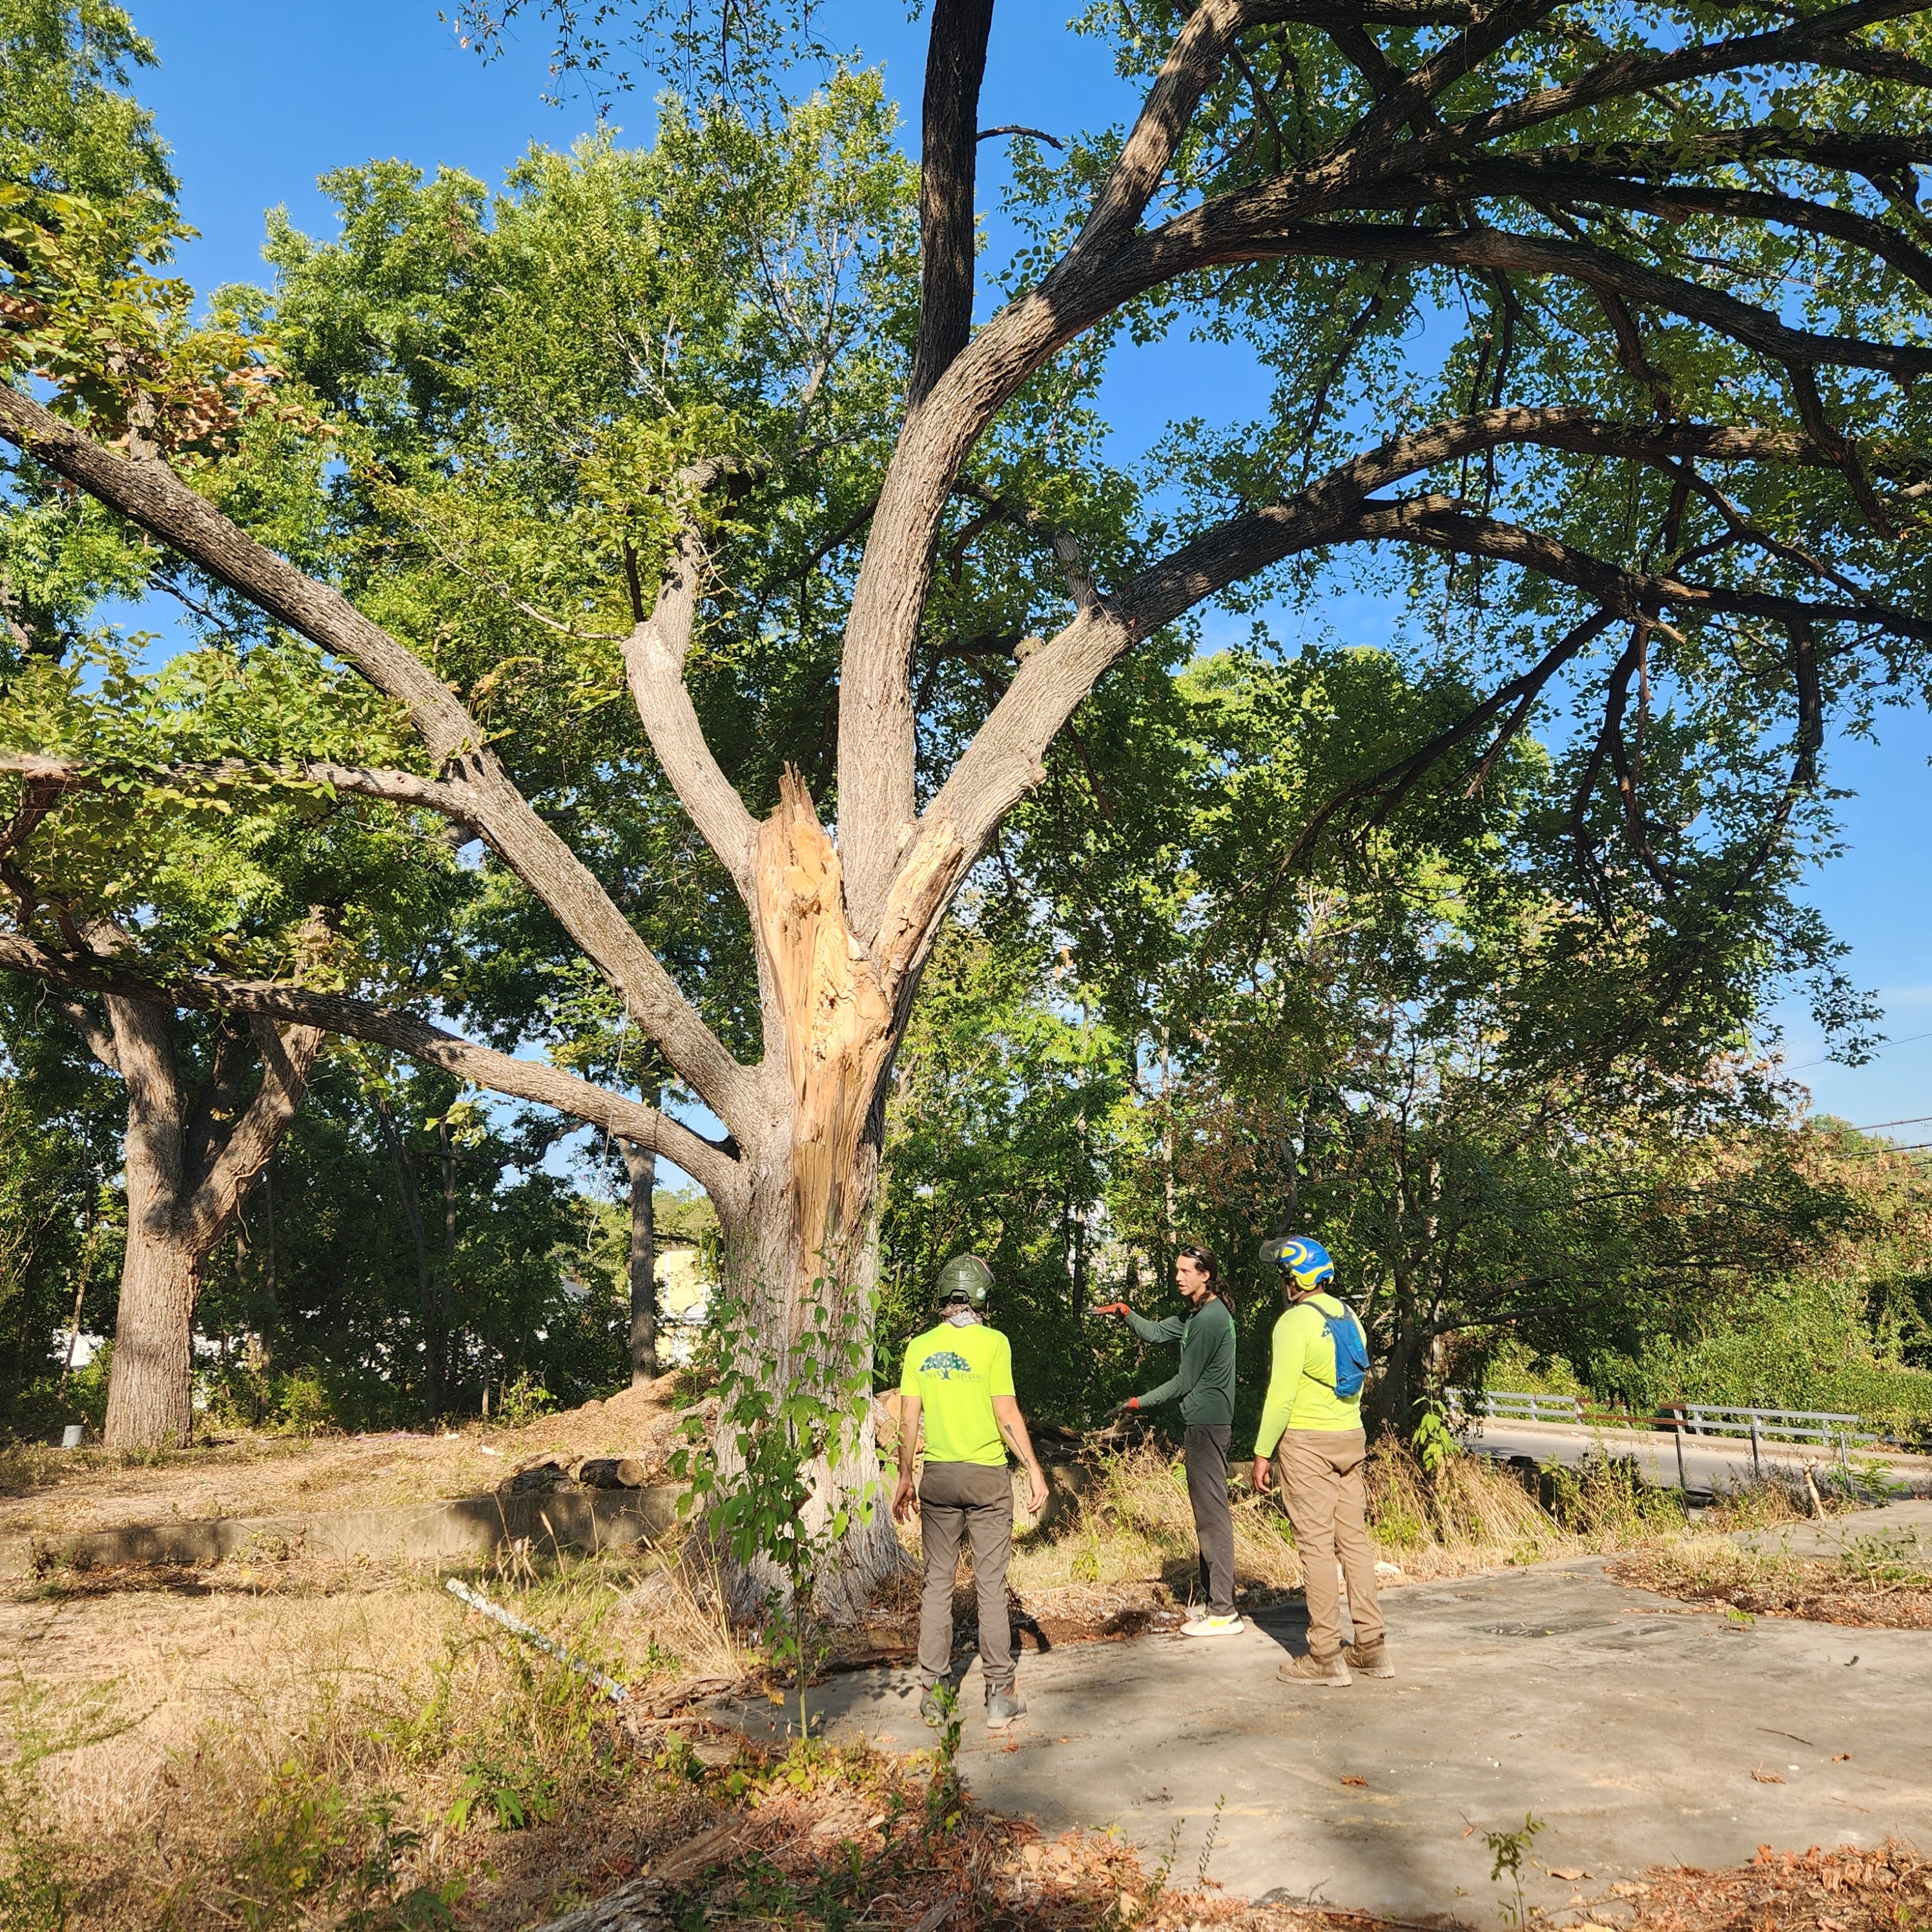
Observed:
{"x":1301,"y":1383}
{"x":955,"y":1370}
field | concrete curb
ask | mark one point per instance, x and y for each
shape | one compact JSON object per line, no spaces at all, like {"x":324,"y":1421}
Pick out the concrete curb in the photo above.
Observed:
{"x":464,"y":1527}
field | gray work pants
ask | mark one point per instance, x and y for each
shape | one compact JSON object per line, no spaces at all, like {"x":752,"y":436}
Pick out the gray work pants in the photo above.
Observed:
{"x":1207,"y":1454}
{"x":972,"y":1501}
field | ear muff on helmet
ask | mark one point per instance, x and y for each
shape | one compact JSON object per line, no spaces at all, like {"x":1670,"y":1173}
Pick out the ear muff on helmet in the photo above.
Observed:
{"x":1307,"y":1263}
{"x":964,"y":1278}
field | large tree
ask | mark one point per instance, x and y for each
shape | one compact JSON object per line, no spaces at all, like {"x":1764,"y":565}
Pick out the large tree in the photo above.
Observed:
{"x":1673,"y":288}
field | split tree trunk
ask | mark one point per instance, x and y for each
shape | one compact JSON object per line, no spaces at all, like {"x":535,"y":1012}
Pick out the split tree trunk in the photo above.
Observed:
{"x":806,"y":1238}
{"x":641,"y":1162}
{"x":189,"y":1167}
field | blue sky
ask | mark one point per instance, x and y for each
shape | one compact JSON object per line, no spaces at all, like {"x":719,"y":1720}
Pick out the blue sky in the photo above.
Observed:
{"x":258,"y":99}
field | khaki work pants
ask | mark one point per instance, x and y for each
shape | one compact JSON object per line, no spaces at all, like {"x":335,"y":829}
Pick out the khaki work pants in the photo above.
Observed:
{"x":1320,"y":1472}
{"x":972,"y":1502}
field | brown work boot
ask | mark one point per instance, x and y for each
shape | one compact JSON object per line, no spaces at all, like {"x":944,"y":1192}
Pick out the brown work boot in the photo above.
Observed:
{"x":1309,"y":1669}
{"x":1370,"y":1659}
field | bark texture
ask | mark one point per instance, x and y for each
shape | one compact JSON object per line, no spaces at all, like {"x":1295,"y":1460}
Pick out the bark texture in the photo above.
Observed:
{"x":641,"y":1163}
{"x":190,"y":1163}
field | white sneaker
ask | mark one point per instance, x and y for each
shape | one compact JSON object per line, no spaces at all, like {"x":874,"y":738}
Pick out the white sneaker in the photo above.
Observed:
{"x":1207,"y":1626}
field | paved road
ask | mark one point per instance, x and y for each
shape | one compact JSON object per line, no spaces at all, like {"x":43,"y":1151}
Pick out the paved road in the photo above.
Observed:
{"x":1710,"y":1462}
{"x":1633,"y":1729}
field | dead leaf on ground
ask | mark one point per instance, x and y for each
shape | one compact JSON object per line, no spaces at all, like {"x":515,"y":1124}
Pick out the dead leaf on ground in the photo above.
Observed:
{"x":1761,"y":1776}
{"x":1571,"y":1873}
{"x":1362,"y":1781}
{"x":1842,"y":1757}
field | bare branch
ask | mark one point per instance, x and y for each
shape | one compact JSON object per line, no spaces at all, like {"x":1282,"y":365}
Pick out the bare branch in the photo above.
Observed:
{"x":287,"y":1059}
{"x":654,"y":657}
{"x":1036,"y":133}
{"x":708,"y":1165}
{"x":1390,"y":785}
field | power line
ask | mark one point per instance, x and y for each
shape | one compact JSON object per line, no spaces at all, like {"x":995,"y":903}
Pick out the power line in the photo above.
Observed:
{"x":1906,"y":1042}
{"x":1910,"y":1121}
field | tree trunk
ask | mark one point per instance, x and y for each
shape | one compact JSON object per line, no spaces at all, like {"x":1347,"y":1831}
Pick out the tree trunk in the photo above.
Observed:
{"x":642,"y":1163}
{"x":405,"y":1166}
{"x":150,"y":1386}
{"x":188,"y":1172}
{"x":801,"y":1257}
{"x":776,"y":1283}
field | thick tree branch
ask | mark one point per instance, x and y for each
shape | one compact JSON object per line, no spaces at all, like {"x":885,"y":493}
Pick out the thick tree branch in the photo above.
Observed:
{"x":1443,"y":523}
{"x":216,"y":1191}
{"x":955,"y":64}
{"x":1005,"y":758}
{"x":390,"y":787}
{"x":654,"y":659}
{"x":98,"y":1035}
{"x":1810,"y":42}
{"x":708,"y":1165}
{"x":152,"y":496}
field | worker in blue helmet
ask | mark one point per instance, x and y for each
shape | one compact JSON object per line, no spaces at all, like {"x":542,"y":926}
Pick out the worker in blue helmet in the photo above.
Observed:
{"x":1311,"y":1442}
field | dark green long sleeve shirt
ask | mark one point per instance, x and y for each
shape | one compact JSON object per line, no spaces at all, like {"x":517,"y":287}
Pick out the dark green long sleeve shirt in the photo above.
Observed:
{"x":1206,"y":1381}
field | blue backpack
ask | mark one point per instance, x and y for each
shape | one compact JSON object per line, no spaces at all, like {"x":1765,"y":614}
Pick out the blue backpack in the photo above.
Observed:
{"x":1351,"y":1355}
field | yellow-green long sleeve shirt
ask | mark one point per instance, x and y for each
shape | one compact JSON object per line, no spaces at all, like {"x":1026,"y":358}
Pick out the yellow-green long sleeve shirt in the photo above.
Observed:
{"x":1301,"y":1378}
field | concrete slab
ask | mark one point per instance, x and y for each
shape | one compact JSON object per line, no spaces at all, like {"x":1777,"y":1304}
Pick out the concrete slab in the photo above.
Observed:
{"x":1902,"y":1529}
{"x":1633,"y":1729}
{"x":465,"y":1528}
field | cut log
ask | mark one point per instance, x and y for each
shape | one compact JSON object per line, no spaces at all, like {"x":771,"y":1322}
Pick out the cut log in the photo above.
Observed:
{"x":613,"y":1472}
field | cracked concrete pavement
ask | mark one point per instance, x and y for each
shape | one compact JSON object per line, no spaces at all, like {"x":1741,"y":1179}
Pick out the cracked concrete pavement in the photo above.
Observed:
{"x":1640,"y":1733}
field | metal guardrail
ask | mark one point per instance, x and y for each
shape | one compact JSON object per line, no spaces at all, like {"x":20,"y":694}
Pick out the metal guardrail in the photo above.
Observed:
{"x":1829,"y":1429}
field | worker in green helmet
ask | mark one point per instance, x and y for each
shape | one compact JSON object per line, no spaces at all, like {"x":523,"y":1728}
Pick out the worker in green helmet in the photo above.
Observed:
{"x":958,"y":1381}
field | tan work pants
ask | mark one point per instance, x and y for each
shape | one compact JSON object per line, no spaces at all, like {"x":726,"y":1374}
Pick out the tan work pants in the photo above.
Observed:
{"x":1320,"y":1472}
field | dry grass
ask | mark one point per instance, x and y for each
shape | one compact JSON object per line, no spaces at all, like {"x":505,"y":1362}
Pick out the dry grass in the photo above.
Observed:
{"x":295,"y":1745}
{"x":270,"y":1758}
{"x":65,"y":1491}
{"x":1878,"y":1582}
{"x":1132,"y":1525}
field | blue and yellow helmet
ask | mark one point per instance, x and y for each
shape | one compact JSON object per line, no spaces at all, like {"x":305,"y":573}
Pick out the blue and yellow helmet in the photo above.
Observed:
{"x":1307,"y":1261}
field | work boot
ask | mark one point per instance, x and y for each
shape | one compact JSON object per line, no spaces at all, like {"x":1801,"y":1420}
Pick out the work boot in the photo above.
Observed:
{"x":938,"y":1704}
{"x":1205,"y":1625}
{"x":1370,"y":1660}
{"x":1309,"y":1669}
{"x":1003,"y":1707}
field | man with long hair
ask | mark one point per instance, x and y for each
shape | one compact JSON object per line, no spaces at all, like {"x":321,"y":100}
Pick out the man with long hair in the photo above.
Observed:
{"x":1204,"y":1386}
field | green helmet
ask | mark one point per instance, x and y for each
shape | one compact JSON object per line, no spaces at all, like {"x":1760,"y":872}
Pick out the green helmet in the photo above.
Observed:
{"x":964,"y":1278}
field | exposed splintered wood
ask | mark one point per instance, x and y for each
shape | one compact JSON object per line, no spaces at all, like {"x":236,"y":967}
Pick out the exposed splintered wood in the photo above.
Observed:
{"x":838,"y":1024}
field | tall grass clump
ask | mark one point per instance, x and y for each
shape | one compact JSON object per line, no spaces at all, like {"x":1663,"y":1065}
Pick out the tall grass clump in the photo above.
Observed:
{"x":1133,"y":1523}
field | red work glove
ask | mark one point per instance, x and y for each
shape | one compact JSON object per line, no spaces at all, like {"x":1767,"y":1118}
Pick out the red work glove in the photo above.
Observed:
{"x":1130,"y":1406}
{"x":1114,"y":1308}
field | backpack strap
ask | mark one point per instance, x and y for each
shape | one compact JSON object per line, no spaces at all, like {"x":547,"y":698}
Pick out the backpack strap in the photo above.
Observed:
{"x":1328,"y":1382}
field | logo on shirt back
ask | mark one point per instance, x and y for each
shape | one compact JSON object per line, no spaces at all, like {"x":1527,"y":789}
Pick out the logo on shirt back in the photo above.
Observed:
{"x":945,"y":1363}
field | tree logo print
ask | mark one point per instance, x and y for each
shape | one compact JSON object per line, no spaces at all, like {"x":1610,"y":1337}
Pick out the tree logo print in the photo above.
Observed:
{"x":944,"y":1363}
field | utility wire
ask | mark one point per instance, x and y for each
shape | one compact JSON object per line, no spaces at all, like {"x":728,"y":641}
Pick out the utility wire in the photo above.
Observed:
{"x":1906,"y":1042}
